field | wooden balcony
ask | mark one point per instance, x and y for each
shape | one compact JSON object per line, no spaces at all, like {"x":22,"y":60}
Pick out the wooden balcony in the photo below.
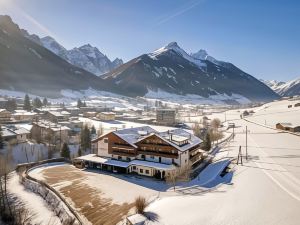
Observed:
{"x":160,"y":146}
{"x":123,"y":152}
{"x":195,"y":158}
{"x":122,"y":146}
{"x":158,"y":153}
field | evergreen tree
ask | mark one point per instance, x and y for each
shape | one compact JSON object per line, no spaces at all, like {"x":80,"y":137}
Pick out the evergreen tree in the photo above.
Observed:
{"x":37,"y":103}
{"x":45,"y":102}
{"x":11,"y":105}
{"x":27,"y":104}
{"x":84,"y":104}
{"x":79,"y":103}
{"x":93,"y":130}
{"x":85,"y":138}
{"x":65,"y":151}
{"x":1,"y":139}
{"x":207,"y":142}
{"x":79,"y":152}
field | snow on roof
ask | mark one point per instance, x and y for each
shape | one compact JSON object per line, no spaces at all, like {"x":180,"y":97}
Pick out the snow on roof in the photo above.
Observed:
{"x":23,"y":113}
{"x":135,"y":135}
{"x":7,"y":133}
{"x":52,"y":126}
{"x":131,"y":135}
{"x":152,"y":164}
{"x":113,"y":162}
{"x":56,"y":113}
{"x":108,"y":113}
{"x":137,"y":219}
{"x":21,"y":131}
{"x":287,"y":124}
{"x":3,"y":110}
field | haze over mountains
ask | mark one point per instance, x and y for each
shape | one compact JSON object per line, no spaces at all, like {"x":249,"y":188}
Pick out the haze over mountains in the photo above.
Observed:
{"x":27,"y":64}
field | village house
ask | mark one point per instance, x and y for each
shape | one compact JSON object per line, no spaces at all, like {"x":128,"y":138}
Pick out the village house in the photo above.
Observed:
{"x":48,"y":132}
{"x":106,"y":116}
{"x":166,"y":116}
{"x":56,"y":116}
{"x":23,"y":115}
{"x":89,"y":114}
{"x":8,"y":135}
{"x":288,"y":127}
{"x":144,"y":151}
{"x":5,"y":116}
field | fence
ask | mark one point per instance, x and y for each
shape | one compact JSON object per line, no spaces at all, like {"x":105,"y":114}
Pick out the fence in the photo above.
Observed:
{"x":57,"y":203}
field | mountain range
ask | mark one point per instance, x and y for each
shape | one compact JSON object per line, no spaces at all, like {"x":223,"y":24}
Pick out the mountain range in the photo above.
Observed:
{"x":289,"y":88}
{"x":172,"y":70}
{"x":27,"y":64}
{"x":86,"y":57}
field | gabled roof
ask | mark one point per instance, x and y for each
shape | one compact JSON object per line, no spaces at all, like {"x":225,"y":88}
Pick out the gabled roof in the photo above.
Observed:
{"x":134,"y":135}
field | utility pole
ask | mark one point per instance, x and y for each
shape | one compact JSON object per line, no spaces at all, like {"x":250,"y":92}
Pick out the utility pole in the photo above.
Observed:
{"x":246,"y":142}
{"x":240,"y":156}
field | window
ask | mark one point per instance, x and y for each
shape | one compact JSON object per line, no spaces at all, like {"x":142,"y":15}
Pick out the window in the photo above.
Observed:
{"x":152,"y":157}
{"x":119,"y":157}
{"x":128,"y":159}
{"x":105,"y":140}
{"x":147,"y":171}
{"x":143,"y":156}
{"x":134,"y":167}
{"x":141,"y":171}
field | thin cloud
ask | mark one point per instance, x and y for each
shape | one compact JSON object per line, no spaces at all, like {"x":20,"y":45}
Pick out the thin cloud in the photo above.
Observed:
{"x":179,"y":11}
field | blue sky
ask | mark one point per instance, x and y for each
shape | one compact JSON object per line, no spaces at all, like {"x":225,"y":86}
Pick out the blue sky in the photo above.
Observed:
{"x":262,"y":37}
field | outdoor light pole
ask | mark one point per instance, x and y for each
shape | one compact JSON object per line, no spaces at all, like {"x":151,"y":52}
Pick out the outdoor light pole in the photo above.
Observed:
{"x":246,"y":142}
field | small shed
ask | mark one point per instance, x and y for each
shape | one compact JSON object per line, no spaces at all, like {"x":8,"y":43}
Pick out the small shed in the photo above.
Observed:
{"x":288,"y":127}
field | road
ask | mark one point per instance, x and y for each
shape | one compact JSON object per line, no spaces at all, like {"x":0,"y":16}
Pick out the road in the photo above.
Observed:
{"x":264,"y":190}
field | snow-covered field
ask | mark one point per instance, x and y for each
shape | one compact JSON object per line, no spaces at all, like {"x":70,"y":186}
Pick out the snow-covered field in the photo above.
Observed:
{"x":277,"y":112}
{"x":264,"y":190}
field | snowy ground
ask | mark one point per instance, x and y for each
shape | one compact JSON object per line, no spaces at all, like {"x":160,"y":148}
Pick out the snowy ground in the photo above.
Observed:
{"x":264,"y":190}
{"x":36,"y":205}
{"x":277,"y":112}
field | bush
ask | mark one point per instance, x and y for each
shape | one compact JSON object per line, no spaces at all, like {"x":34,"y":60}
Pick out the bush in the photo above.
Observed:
{"x":140,"y":205}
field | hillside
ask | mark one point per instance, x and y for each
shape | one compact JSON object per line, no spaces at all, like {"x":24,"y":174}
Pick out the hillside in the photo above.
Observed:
{"x":170,"y":69}
{"x":27,"y":66}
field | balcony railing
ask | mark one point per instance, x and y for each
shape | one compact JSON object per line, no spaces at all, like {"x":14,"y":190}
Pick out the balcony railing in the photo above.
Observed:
{"x":158,"y":153}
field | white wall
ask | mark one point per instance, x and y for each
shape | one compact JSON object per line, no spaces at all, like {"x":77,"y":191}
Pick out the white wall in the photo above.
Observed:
{"x":103,"y":148}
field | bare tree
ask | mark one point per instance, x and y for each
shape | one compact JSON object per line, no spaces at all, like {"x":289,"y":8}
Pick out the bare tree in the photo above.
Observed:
{"x":197,"y":129}
{"x":215,"y":123}
{"x":179,"y":174}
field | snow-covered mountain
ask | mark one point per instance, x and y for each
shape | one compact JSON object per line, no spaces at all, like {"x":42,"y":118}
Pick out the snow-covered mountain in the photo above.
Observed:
{"x":86,"y":57}
{"x":289,"y":88}
{"x":170,"y":70}
{"x":27,"y":66}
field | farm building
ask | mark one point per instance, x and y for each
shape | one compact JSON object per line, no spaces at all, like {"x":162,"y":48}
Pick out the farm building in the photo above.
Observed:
{"x":288,"y":127}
